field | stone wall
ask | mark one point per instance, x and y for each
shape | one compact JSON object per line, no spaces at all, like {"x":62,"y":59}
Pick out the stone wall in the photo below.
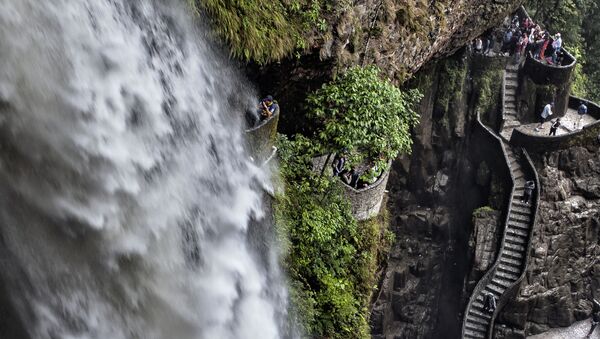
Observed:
{"x":261,"y":139}
{"x":589,"y":135}
{"x":564,"y":270}
{"x":433,"y":193}
{"x":542,"y":83}
{"x":366,"y":202}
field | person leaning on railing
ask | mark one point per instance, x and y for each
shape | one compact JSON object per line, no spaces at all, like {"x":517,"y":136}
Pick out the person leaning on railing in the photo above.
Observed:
{"x":267,"y":107}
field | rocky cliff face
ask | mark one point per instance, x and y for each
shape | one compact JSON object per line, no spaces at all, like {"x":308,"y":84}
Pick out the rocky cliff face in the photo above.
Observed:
{"x":564,"y":270}
{"x":400,"y":36}
{"x":433,"y":194}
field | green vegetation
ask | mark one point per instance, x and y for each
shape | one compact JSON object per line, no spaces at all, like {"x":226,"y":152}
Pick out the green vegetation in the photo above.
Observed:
{"x":331,"y":258}
{"x":365,"y":115}
{"x":577,"y":21}
{"x":477,"y":213}
{"x":265,"y":31}
{"x":453,"y":73}
{"x":488,"y":83}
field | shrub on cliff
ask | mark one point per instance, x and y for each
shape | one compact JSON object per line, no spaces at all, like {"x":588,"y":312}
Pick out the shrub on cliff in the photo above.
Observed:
{"x":329,"y":255}
{"x":364,"y":114}
{"x":264,"y":31}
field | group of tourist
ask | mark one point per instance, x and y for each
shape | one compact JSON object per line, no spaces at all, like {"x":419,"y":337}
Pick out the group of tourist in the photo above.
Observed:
{"x":521,"y":37}
{"x":547,"y":112}
{"x":355,"y":177}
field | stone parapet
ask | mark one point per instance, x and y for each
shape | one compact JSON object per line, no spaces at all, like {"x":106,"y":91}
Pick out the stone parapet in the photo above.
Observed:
{"x":366,"y":202}
{"x":544,"y":143}
{"x":261,"y":139}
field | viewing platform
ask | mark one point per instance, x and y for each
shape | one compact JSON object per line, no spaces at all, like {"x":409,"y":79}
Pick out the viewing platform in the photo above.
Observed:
{"x":261,"y":139}
{"x":366,"y":201}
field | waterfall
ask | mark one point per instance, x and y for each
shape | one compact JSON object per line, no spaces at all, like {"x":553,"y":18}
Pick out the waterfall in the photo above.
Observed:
{"x":126,"y":194}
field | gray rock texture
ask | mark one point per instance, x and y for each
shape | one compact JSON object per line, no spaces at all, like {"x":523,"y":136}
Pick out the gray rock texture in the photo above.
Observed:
{"x":397,"y":35}
{"x":564,"y":271}
{"x":433,"y":193}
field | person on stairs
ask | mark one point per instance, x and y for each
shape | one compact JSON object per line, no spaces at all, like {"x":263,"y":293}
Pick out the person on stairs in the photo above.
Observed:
{"x":595,"y":317}
{"x":546,"y":113}
{"x":554,"y":127}
{"x":489,"y":302}
{"x":527,"y":190}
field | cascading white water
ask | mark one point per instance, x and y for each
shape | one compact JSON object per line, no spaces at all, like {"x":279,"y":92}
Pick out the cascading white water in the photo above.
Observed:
{"x":126,"y":196}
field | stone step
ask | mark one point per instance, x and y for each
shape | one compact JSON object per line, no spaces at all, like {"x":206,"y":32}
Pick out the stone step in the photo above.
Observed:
{"x":518,"y":224}
{"x":520,"y":209}
{"x":507,"y":275}
{"x":507,"y":260}
{"x":513,"y":254}
{"x":519,"y":182}
{"x":515,"y":240}
{"x":507,"y":133}
{"x":477,"y":305}
{"x":517,"y":231}
{"x":495,"y":290}
{"x":510,"y":85}
{"x":511,"y":124}
{"x":475,"y":326}
{"x":511,"y":76}
{"x":474,"y":334}
{"x":512,"y":67}
{"x":521,"y":204}
{"x":509,"y":269}
{"x":511,"y":112}
{"x":515,"y":247}
{"x":504,"y":283}
{"x":526,"y":212}
{"x":519,"y":218}
{"x":480,"y":314}
{"x":474,"y":319}
{"x":517,"y":171}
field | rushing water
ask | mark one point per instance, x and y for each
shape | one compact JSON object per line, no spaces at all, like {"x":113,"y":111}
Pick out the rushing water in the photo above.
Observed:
{"x":126,"y":196}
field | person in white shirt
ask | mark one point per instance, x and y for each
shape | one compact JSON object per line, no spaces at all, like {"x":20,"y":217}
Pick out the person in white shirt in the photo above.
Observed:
{"x":556,"y":45}
{"x":546,"y":113}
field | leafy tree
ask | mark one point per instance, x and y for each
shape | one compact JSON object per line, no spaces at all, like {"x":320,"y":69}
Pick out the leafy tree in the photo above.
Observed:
{"x":328,"y":256}
{"x":365,"y":115}
{"x":577,"y":20}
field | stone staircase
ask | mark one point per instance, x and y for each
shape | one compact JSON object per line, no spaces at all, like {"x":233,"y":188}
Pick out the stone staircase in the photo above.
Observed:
{"x":512,"y":256}
{"x":511,"y":82}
